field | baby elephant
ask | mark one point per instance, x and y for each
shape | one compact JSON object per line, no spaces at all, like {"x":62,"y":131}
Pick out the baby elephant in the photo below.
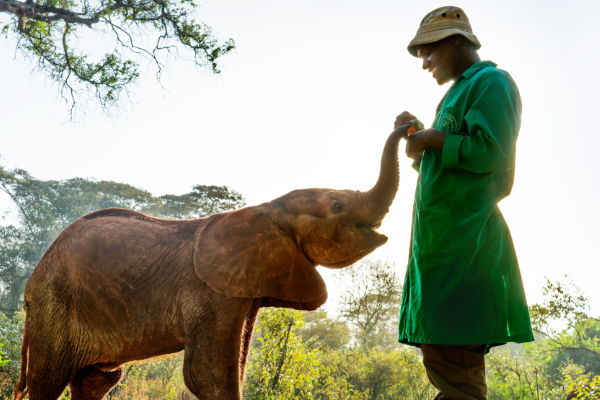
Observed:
{"x":118,"y":285}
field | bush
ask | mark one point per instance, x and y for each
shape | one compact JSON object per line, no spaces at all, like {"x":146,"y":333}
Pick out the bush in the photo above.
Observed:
{"x":584,"y":386}
{"x":283,"y":367}
{"x":11,"y":336}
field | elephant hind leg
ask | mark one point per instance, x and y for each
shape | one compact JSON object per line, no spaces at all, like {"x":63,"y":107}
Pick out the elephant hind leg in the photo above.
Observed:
{"x":92,"y":383}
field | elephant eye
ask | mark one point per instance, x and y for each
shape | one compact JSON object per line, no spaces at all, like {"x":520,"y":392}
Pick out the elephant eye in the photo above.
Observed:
{"x":337,"y":206}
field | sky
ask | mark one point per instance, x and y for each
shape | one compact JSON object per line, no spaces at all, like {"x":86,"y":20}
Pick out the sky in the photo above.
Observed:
{"x":308,"y":99}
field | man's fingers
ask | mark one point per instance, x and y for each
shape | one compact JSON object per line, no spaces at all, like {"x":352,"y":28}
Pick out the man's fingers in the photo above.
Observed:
{"x":413,"y":147}
{"x":412,"y":154}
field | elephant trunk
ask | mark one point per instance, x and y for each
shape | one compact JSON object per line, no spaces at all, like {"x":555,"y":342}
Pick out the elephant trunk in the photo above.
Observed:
{"x":379,"y":199}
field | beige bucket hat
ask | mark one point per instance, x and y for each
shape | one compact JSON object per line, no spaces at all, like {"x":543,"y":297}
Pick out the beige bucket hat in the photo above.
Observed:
{"x":441,"y":23}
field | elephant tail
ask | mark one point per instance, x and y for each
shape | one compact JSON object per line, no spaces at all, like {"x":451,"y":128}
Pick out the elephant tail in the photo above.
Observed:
{"x":20,"y":391}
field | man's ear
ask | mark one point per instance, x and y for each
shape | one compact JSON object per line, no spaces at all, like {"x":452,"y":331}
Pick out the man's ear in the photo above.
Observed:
{"x":245,"y":254}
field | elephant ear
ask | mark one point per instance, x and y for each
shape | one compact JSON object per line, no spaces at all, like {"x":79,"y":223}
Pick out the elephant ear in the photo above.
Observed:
{"x":245,"y":253}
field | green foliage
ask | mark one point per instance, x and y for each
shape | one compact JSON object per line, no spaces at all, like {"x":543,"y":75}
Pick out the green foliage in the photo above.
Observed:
{"x":11,"y":336}
{"x":563,"y":301}
{"x":16,"y":264}
{"x":322,"y":332}
{"x":572,"y":332}
{"x":139,"y":30}
{"x":2,"y":362}
{"x":385,"y":375}
{"x":370,"y":302}
{"x":201,"y":202}
{"x":157,"y":378}
{"x":282,"y":367}
{"x":565,"y":359}
{"x":45,"y":208}
{"x":584,"y":386}
{"x":521,"y":376}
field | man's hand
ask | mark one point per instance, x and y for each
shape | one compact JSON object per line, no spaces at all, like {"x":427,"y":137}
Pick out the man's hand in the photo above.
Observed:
{"x":403,"y":119}
{"x":419,"y":141}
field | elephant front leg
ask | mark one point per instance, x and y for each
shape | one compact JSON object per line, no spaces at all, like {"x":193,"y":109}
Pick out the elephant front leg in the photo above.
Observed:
{"x":214,"y":350}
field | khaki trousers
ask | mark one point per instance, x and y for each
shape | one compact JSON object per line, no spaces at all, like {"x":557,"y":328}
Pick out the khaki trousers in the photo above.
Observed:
{"x":458,"y":372}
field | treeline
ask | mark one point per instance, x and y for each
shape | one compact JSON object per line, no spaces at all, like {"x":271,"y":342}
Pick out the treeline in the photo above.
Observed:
{"x":350,"y":352}
{"x":45,"y":208}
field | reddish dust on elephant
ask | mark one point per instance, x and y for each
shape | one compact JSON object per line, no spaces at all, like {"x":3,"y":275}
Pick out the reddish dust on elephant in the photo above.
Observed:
{"x":118,"y":285}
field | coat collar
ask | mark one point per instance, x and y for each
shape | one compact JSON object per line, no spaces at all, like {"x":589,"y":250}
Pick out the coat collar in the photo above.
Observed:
{"x":467,"y":75}
{"x":477,"y":67}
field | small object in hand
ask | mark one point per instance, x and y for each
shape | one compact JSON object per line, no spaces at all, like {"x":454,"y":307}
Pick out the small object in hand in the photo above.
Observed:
{"x":416,"y":126}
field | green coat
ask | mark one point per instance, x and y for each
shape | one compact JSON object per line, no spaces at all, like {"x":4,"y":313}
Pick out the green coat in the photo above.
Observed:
{"x":463,"y":284}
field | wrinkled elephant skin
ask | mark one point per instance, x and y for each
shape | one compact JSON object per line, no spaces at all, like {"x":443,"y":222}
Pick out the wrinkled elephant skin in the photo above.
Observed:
{"x":118,"y":285}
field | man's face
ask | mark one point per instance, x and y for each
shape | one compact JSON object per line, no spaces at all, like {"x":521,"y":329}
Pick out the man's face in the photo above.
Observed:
{"x":441,"y":58}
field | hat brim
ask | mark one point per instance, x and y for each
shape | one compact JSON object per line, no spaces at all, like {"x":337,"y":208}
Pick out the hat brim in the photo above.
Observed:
{"x":436,"y":36}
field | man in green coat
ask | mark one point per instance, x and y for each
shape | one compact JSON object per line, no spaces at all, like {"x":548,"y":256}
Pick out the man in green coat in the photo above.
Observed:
{"x":463,"y":291}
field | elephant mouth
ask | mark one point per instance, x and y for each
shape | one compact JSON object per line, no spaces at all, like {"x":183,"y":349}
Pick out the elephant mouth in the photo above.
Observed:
{"x":371,"y":228}
{"x":371,"y":241}
{"x":351,"y":260}
{"x":366,"y":239}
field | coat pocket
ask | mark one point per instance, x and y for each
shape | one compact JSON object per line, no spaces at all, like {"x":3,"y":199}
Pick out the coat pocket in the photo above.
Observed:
{"x":449,"y":119}
{"x":438,"y":232}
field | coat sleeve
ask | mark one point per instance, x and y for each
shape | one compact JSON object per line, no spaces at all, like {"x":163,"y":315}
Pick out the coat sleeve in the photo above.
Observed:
{"x":493,"y":121}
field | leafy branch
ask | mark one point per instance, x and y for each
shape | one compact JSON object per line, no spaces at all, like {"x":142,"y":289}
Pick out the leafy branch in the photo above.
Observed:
{"x":2,"y":362}
{"x":372,"y":297}
{"x":565,"y":303}
{"x":152,"y":30}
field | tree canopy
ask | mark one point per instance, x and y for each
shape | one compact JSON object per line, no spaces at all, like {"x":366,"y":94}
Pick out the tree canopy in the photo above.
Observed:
{"x":370,"y":301}
{"x":48,"y":32}
{"x":45,"y":208}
